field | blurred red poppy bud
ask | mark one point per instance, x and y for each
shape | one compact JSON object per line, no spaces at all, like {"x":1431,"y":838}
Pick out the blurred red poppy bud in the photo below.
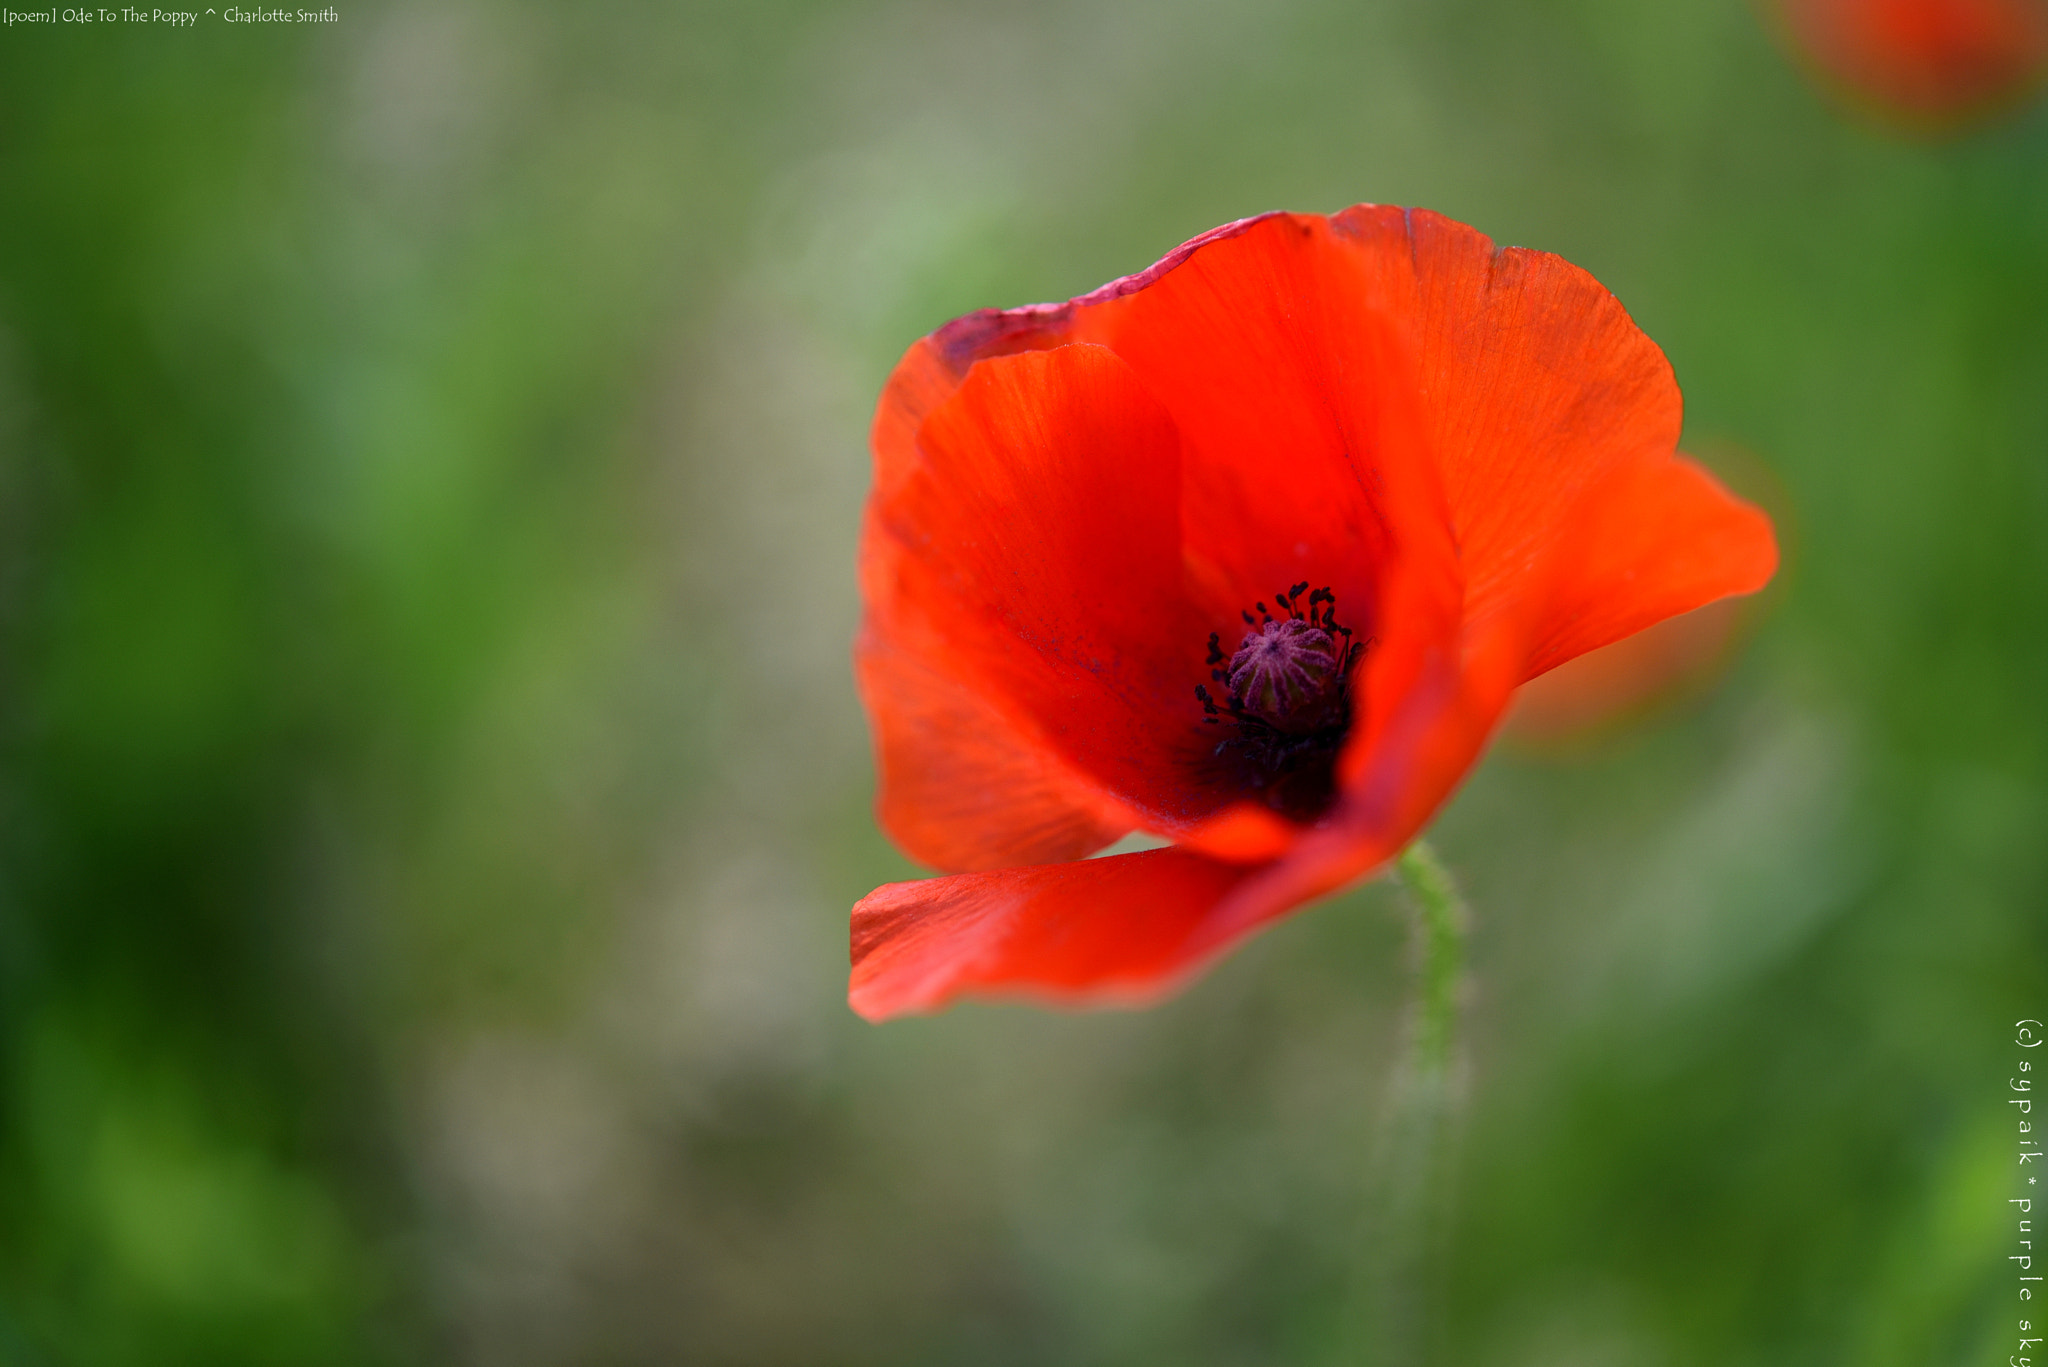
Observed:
{"x":1935,"y":64}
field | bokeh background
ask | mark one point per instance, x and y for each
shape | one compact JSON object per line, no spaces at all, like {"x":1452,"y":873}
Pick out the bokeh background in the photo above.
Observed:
{"x":431,"y":787}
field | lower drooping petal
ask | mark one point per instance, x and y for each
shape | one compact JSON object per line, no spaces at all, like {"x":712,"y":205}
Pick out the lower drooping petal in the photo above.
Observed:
{"x":1120,"y":929}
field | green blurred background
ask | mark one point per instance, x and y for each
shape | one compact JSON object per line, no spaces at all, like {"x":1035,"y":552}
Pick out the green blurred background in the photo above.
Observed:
{"x":431,"y":447}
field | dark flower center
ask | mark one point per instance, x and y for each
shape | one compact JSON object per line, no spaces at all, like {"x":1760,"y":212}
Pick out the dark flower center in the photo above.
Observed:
{"x":1285,"y":704}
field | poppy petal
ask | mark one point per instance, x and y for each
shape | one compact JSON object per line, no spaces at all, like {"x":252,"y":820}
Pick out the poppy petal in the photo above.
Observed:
{"x":961,"y":787}
{"x":1279,"y":349}
{"x":1535,"y":384}
{"x":1287,"y":355}
{"x":1546,"y":403}
{"x":1658,"y":538}
{"x":925,"y":378}
{"x":985,"y":333}
{"x":1283,"y":362}
{"x":1036,"y":554}
{"x":1124,"y":929}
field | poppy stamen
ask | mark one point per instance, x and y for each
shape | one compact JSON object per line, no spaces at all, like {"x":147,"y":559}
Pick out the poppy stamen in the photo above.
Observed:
{"x":1287,"y":691}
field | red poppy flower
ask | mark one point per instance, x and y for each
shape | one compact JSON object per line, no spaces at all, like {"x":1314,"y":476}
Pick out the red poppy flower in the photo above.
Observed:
{"x":1932,"y":62}
{"x":1247,"y":552}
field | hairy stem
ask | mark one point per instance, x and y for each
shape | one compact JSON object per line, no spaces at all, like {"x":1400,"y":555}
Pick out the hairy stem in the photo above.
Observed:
{"x":1438,"y":929}
{"x":1422,"y":1115}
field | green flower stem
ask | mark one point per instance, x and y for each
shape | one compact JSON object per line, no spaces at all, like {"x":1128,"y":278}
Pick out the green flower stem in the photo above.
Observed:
{"x":1438,"y":931}
{"x":1414,"y":1203}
